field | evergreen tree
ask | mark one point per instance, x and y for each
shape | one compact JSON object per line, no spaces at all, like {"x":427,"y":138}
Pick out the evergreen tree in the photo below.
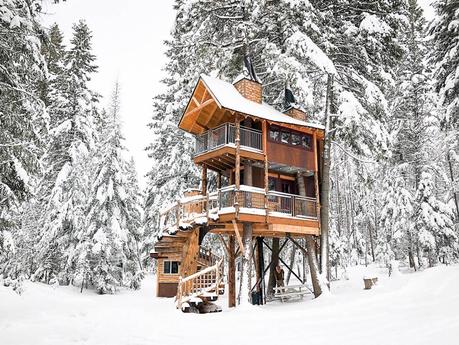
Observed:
{"x":444,"y":32}
{"x":108,"y":252}
{"x":23,"y":121}
{"x":64,"y":191}
{"x":434,"y":223}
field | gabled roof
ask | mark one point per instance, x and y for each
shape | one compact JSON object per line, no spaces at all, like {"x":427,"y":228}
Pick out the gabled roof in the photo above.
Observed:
{"x":228,"y":97}
{"x":215,"y":101}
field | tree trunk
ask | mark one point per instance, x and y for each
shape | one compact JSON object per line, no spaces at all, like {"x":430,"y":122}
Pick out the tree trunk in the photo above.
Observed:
{"x":274,"y":263}
{"x":451,"y":171}
{"x":313,"y":265}
{"x":291,"y":263}
{"x":325,"y":190}
{"x":311,"y":248}
{"x":246,"y":274}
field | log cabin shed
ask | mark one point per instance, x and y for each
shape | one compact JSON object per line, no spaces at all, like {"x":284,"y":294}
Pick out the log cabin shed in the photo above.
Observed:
{"x":271,"y":163}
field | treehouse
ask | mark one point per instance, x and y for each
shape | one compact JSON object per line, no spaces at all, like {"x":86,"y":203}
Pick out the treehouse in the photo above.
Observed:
{"x":267,"y":167}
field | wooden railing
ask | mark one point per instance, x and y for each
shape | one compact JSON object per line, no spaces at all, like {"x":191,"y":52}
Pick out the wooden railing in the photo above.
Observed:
{"x":199,"y":209}
{"x":226,"y":134}
{"x":199,"y":284}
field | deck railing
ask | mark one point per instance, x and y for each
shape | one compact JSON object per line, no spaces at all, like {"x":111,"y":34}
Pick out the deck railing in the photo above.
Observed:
{"x":200,"y":208}
{"x":225,"y":134}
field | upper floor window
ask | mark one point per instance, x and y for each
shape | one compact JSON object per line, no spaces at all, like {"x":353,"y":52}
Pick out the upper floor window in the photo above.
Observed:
{"x":289,"y":137}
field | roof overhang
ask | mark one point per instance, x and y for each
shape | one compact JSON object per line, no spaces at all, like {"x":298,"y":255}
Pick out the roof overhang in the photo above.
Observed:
{"x":214,"y":101}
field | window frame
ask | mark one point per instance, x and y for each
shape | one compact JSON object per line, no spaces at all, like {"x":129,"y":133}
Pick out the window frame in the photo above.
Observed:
{"x":281,"y":130}
{"x":171,"y":266}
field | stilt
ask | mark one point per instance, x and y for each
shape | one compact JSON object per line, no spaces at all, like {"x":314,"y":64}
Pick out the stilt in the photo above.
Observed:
{"x":231,"y":272}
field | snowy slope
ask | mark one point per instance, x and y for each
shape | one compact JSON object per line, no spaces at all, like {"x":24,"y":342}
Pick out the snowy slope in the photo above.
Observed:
{"x":415,"y":308}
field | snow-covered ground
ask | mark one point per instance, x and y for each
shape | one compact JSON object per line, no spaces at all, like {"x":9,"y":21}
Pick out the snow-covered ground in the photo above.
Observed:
{"x":412,"y":308}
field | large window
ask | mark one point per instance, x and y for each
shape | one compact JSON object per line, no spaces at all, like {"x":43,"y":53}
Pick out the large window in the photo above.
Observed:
{"x":171,"y":267}
{"x":288,"y":137}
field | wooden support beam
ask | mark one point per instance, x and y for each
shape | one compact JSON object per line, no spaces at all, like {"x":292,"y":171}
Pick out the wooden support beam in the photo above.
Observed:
{"x":200,"y":107}
{"x":238,"y":236}
{"x":305,"y":252}
{"x":204,"y":180}
{"x":316,"y":179}
{"x":238,"y":165}
{"x":231,"y":272}
{"x":266,"y":170}
{"x":225,"y":246}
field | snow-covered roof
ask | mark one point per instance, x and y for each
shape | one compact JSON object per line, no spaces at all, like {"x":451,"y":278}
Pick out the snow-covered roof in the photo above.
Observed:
{"x":228,"y":97}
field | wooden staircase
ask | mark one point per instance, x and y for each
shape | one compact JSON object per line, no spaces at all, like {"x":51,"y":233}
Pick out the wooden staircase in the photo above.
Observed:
{"x":197,"y":292}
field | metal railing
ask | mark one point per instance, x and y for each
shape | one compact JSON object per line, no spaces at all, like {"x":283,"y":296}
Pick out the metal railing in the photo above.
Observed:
{"x":292,"y":205}
{"x":226,"y":134}
{"x":183,"y":214}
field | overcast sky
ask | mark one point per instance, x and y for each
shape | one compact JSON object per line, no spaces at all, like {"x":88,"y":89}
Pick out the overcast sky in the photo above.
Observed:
{"x":128,"y":42}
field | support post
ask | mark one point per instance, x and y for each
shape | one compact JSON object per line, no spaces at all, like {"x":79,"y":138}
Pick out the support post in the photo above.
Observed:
{"x":266,"y":175}
{"x":237,"y":170}
{"x":261,"y":269}
{"x":231,"y":272}
{"x":204,"y":180}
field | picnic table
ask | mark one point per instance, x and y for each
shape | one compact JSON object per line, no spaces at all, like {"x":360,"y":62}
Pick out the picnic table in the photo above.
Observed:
{"x":291,"y":291}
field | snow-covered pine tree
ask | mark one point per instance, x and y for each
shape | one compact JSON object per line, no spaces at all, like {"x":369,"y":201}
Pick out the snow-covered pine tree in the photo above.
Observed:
{"x":444,"y":31}
{"x":108,"y":251}
{"x":396,"y":230}
{"x":434,"y":223}
{"x":64,"y":190}
{"x":23,"y":120}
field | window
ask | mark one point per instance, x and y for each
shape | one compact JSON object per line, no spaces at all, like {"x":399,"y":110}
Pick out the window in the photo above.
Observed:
{"x":171,"y":267}
{"x":288,"y":137}
{"x":296,"y":139}
{"x":274,"y":134}
{"x":285,"y":137}
{"x":306,"y":142}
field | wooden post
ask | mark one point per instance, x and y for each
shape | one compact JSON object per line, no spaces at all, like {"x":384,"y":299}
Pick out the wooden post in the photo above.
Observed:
{"x":261,"y":269}
{"x":316,"y":179}
{"x":219,"y":180}
{"x":237,"y":172}
{"x":204,"y":180}
{"x":231,"y":272}
{"x":266,"y":179}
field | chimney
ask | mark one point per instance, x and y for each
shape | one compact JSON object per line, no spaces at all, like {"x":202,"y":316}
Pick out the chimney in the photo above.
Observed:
{"x":248,"y":83}
{"x":291,"y":107}
{"x":296,"y":113}
{"x":250,"y":89}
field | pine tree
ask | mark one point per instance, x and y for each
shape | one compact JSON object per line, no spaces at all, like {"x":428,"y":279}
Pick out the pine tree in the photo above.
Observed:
{"x":64,"y":191}
{"x":23,"y":121}
{"x":434,"y":222}
{"x":444,"y":31}
{"x":109,"y":250}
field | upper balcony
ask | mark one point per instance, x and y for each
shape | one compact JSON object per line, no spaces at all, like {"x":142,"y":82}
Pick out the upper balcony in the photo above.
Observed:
{"x":221,"y":142}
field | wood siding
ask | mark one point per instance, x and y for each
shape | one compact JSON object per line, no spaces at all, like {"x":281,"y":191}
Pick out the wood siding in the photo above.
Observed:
{"x":167,"y":289}
{"x":290,"y":155}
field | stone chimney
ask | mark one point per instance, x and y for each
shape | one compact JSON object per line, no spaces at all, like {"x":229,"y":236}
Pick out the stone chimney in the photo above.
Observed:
{"x":296,"y":113}
{"x":250,"y":89}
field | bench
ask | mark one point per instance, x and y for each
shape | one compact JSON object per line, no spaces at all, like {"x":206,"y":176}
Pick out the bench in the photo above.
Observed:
{"x":291,"y":291}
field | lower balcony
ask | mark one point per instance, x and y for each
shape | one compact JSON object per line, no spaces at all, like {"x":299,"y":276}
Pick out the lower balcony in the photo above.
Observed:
{"x":228,"y":207}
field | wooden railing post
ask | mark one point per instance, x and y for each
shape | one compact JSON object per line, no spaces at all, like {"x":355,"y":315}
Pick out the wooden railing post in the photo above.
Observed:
{"x":237,"y":171}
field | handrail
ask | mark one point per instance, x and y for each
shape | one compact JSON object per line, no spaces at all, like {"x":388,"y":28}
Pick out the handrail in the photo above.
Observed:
{"x":300,"y":197}
{"x":186,"y":287}
{"x":202,"y":272}
{"x":278,"y":204}
{"x":224,"y":134}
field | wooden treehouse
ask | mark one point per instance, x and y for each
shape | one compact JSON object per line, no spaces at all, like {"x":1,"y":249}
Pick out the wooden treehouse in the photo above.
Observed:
{"x":267,"y":163}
